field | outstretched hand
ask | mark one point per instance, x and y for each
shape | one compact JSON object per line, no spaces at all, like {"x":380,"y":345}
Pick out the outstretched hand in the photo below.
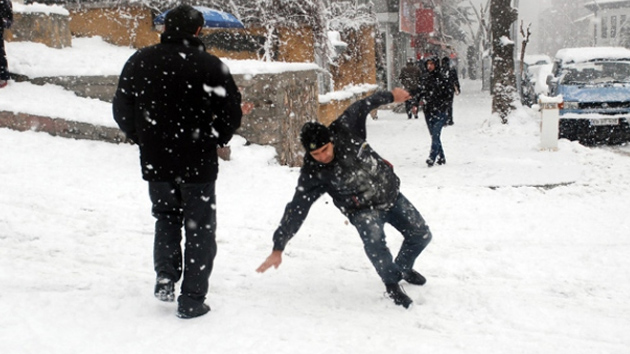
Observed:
{"x":400,"y":95}
{"x":274,"y":259}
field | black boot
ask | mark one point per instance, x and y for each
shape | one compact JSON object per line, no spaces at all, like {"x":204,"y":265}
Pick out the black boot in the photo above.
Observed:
{"x":396,"y":293}
{"x":441,"y":161}
{"x":164,"y":289}
{"x":429,"y":162}
{"x":413,"y":277}
{"x":191,"y":308}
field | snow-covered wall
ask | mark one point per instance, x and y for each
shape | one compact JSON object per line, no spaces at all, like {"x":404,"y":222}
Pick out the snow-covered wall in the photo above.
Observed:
{"x":48,"y":25}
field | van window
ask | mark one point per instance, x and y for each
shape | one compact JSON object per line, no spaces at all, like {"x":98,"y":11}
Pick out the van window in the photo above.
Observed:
{"x":596,"y":73}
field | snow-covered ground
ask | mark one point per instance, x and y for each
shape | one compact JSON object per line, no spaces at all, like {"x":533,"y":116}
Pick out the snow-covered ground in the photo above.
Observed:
{"x":529,"y":255}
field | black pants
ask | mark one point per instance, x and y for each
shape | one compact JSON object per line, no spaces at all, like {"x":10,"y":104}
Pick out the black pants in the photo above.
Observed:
{"x":4,"y":66}
{"x":405,"y":218}
{"x":193,"y":207}
{"x":449,"y":113}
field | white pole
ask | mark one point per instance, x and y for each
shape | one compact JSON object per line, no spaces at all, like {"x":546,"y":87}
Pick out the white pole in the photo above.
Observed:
{"x":550,"y":118}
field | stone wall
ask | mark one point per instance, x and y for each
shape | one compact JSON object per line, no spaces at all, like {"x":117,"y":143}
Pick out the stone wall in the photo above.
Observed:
{"x":357,"y":65}
{"x":282,"y":104}
{"x":126,"y":25}
{"x":59,"y":127}
{"x":99,"y":87}
{"x":328,"y":112}
{"x":52,"y":30}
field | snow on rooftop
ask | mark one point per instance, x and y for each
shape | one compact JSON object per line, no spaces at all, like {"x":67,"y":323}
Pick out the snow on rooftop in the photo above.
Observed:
{"x":591,"y":53}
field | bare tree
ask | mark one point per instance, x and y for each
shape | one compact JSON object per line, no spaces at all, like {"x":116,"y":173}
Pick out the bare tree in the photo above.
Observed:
{"x":502,"y":15}
{"x":480,"y":39}
{"x":523,"y":46}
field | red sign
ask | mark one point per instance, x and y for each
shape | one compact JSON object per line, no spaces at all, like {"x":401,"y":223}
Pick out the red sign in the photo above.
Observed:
{"x":406,"y":15}
{"x":424,"y":20}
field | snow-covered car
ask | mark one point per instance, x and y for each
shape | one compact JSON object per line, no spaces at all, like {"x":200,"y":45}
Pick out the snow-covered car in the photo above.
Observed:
{"x":594,"y":84}
{"x":533,"y":78}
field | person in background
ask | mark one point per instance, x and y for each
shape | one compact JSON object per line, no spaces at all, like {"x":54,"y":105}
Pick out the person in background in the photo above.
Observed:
{"x":410,"y":78}
{"x":450,"y":73}
{"x":178,"y":103}
{"x":433,"y":96}
{"x":6,"y":20}
{"x":364,"y":188}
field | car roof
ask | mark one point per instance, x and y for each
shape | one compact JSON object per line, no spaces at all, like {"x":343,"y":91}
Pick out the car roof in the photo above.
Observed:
{"x":584,"y":54}
{"x":536,"y":59}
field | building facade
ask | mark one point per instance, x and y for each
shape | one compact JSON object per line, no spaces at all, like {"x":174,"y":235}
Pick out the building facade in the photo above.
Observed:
{"x":610,"y":26}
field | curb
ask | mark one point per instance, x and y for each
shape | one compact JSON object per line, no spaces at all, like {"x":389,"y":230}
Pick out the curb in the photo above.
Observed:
{"x":60,"y":127}
{"x":73,"y":130}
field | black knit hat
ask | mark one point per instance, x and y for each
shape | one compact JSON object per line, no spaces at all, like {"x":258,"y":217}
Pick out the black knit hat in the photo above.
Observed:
{"x":314,"y":135}
{"x":183,"y":18}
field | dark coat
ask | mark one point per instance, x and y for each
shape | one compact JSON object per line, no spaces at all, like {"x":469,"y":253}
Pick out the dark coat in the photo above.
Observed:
{"x":433,"y":92}
{"x":357,"y":178}
{"x":450,"y":74}
{"x":6,"y":14}
{"x":177,"y":102}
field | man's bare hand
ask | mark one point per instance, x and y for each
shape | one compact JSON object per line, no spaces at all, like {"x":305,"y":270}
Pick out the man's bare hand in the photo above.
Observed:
{"x":400,"y":95}
{"x":274,"y":259}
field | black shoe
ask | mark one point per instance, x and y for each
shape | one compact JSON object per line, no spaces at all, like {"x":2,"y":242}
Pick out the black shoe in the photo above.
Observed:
{"x":416,"y":117}
{"x":164,"y":289}
{"x":192,"y":312}
{"x":413,"y":277}
{"x":396,"y":293}
{"x":189,"y":308}
{"x":450,"y":122}
{"x":429,"y":162}
{"x":441,"y":161}
{"x":408,"y":117}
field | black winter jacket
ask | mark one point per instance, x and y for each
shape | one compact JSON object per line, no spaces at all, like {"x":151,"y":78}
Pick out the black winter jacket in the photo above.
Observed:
{"x":434,"y":92}
{"x":177,"y":102}
{"x":6,"y":14}
{"x":450,"y":74}
{"x":357,"y":178}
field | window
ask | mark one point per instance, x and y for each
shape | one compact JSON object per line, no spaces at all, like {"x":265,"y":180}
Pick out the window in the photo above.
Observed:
{"x":613,"y":26}
{"x":604,"y":27}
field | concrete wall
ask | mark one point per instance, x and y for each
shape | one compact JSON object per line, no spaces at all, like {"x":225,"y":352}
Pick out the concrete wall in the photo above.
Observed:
{"x":128,"y":25}
{"x":328,"y":112}
{"x":282,"y":104}
{"x":50,"y":29}
{"x":357,"y":65}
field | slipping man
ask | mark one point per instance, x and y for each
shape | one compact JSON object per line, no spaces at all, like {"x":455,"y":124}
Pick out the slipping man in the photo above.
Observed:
{"x":364,"y":187}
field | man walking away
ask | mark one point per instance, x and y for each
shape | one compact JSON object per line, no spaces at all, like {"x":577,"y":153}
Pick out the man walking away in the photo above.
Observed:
{"x":410,"y":78}
{"x":450,"y":73}
{"x":178,"y":103}
{"x":364,"y":188}
{"x":433,"y":97}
